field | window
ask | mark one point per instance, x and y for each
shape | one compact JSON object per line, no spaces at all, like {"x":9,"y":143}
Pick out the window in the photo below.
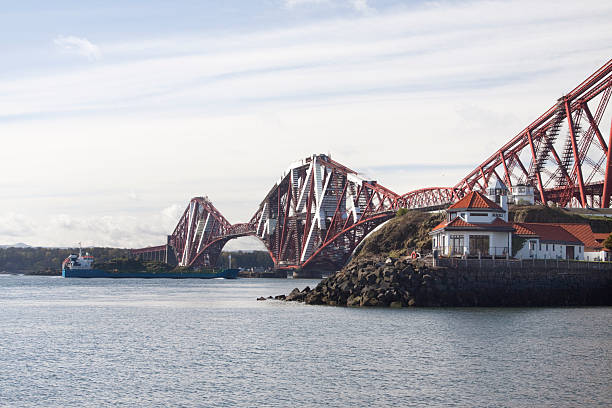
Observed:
{"x":553,"y":247}
{"x":579,"y":249}
{"x":477,"y":214}
{"x":479,"y":244}
{"x":498,"y":215}
{"x":547,"y":247}
{"x":540,"y":246}
{"x":463,"y":215}
{"x":456,"y":244}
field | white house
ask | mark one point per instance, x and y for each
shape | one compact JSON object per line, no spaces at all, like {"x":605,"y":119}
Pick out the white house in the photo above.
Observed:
{"x":548,"y":241}
{"x":475,"y":226}
{"x":561,"y":241}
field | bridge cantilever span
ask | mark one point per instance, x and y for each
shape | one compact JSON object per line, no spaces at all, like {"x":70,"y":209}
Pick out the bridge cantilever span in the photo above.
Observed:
{"x":313,"y":217}
{"x":318,"y":212}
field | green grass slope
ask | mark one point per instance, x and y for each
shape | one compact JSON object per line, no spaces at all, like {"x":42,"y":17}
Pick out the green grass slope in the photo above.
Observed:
{"x":401,"y":235}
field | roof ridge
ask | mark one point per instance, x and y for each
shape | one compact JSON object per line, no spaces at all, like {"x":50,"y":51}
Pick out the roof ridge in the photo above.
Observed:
{"x":469,"y":201}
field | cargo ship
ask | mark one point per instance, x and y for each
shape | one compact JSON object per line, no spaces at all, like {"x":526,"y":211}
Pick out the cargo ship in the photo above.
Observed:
{"x":82,"y":266}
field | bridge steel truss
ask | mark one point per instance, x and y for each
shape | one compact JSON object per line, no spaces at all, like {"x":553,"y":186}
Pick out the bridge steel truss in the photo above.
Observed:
{"x":570,"y":171}
{"x":319,"y":212}
{"x":201,"y":233}
{"x":314,"y":216}
{"x":430,"y":198}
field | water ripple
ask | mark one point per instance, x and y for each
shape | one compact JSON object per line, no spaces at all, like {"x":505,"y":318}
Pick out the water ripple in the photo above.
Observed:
{"x":157,"y":343}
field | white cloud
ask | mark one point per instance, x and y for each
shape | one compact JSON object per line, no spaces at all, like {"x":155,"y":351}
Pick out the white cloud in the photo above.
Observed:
{"x":294,"y":3}
{"x":358,"y":5}
{"x":201,"y":114}
{"x":14,"y":225}
{"x":174,"y":211}
{"x":361,"y":5}
{"x":80,"y":46}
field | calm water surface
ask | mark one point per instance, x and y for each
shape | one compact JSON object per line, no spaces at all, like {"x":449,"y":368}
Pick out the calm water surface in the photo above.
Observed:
{"x":192,"y":343}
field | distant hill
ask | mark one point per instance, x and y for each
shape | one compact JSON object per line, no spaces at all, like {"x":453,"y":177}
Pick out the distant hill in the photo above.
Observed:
{"x":48,"y":261}
{"x":17,"y":245}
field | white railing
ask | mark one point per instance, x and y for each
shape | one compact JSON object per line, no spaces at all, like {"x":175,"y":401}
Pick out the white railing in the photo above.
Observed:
{"x":464,"y":251}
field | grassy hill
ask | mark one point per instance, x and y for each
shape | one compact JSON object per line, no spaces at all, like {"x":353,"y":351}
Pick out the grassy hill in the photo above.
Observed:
{"x":402,"y":234}
{"x":538,"y":213}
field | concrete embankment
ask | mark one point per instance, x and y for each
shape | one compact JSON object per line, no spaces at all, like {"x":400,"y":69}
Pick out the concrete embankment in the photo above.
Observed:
{"x":406,"y":283}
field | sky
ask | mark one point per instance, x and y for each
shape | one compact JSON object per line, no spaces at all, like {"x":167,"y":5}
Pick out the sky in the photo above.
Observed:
{"x":114,"y":114}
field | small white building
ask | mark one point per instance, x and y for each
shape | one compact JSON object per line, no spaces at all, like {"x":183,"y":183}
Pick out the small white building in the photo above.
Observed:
{"x":521,"y":195}
{"x":561,"y":241}
{"x":475,"y":226}
{"x":548,"y":241}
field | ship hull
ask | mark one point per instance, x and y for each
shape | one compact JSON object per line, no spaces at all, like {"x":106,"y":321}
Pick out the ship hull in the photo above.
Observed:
{"x":98,"y":273}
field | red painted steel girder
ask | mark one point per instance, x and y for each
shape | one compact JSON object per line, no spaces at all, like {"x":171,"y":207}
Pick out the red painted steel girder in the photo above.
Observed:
{"x":571,"y":178}
{"x":429,"y":198}
{"x":200,"y":225}
{"x":318,"y":213}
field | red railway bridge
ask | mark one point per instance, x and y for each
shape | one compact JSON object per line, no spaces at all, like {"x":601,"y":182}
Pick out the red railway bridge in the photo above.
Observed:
{"x":319,"y":211}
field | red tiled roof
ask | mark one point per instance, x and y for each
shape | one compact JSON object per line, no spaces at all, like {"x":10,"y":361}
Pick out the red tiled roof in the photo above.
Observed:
{"x":601,"y":236}
{"x":440,"y":225}
{"x":584,"y":233}
{"x":549,"y":232}
{"x":522,"y":230}
{"x":498,"y":222}
{"x":475,"y":200}
{"x":458,"y":222}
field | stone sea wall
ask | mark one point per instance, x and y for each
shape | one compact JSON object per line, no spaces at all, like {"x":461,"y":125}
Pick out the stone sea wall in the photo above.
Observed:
{"x":408,"y":283}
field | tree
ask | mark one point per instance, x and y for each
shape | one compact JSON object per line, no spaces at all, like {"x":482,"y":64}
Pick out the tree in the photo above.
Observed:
{"x":608,"y":242}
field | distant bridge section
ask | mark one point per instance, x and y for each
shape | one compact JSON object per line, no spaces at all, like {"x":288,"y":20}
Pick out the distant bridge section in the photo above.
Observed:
{"x":202,"y":232}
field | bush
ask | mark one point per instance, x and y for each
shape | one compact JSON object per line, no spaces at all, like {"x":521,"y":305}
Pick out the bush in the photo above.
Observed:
{"x":401,"y":211}
{"x":608,"y":242}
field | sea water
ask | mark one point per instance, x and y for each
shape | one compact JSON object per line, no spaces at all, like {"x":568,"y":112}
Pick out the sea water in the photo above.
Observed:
{"x":200,"y":343}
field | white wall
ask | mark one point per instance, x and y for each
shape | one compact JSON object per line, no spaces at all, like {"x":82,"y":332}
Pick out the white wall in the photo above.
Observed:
{"x":558,"y":252}
{"x":597,"y":256}
{"x":498,"y":241}
{"x":489,"y":218}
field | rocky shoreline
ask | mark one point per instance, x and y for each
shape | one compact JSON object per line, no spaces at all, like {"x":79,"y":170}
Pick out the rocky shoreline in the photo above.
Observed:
{"x":412,"y":283}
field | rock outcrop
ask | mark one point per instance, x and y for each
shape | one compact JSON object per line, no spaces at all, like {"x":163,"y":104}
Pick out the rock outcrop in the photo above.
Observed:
{"x":408,"y":283}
